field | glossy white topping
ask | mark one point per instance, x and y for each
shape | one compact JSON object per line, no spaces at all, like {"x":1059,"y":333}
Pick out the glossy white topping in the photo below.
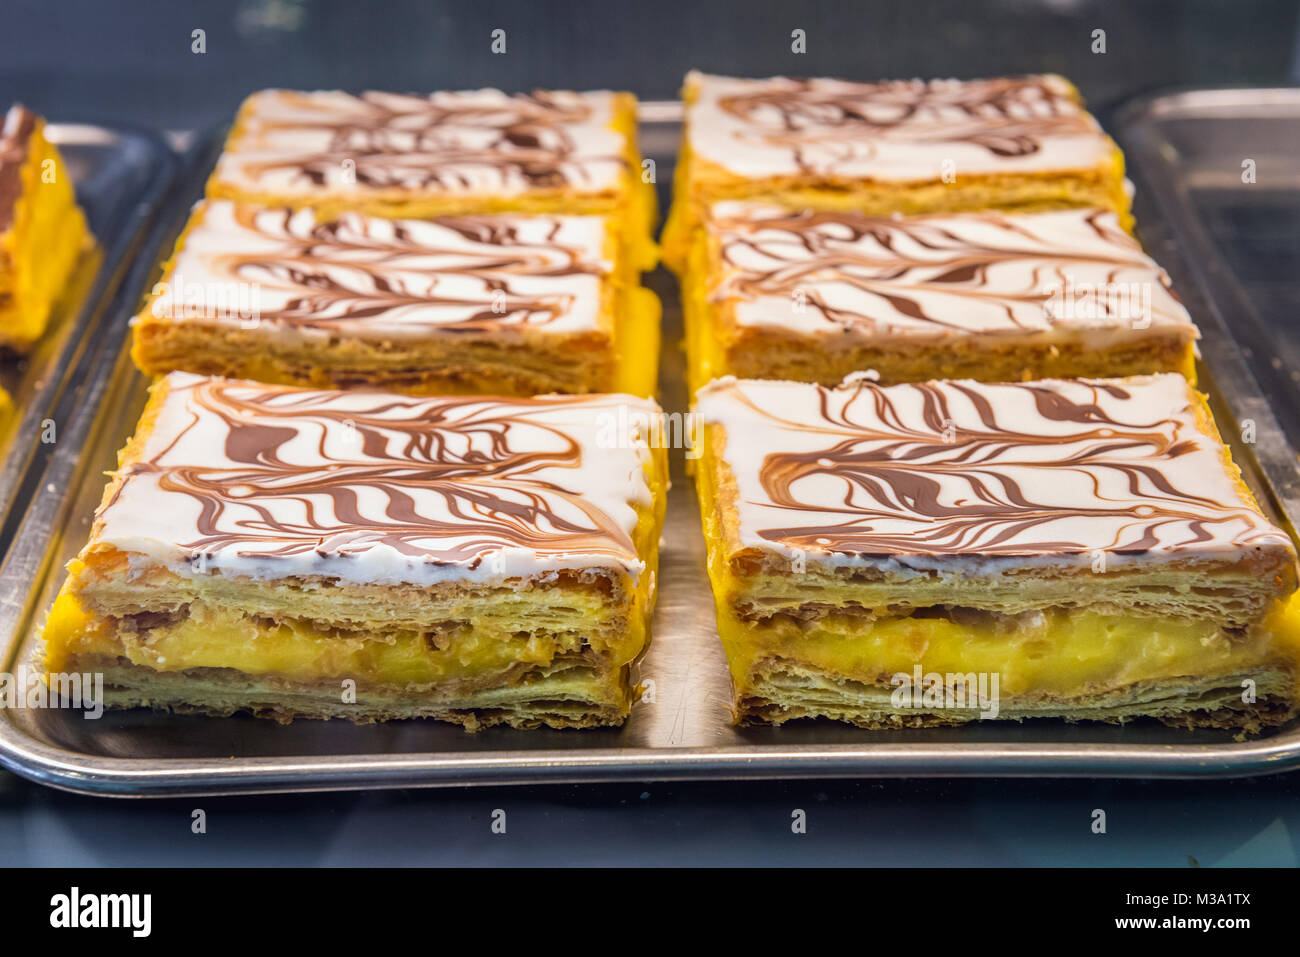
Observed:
{"x":471,"y":143}
{"x":896,"y":131}
{"x":937,"y":276}
{"x":242,"y":479}
{"x":290,"y":273}
{"x":977,"y":477}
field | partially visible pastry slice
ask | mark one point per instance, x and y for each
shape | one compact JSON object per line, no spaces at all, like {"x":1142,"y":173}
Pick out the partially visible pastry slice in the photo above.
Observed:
{"x":42,"y":230}
{"x":940,"y":552}
{"x":300,"y":553}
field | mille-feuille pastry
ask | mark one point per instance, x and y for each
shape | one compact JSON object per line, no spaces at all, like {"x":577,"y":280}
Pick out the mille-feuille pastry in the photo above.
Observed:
{"x":301,"y":553}
{"x":42,"y":231}
{"x":934,"y":553}
{"x":1017,"y":143}
{"x":774,"y":293}
{"x":446,"y":153}
{"x":509,"y":304}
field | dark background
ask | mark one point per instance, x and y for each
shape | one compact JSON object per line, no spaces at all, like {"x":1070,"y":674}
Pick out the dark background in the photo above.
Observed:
{"x":131,"y":61}
{"x":121,"y":62}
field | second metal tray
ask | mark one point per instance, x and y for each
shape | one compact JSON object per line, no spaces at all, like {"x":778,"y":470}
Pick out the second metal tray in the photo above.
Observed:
{"x":685,"y":732}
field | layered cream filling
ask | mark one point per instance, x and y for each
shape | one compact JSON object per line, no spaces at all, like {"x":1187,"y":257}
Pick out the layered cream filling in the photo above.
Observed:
{"x":443,"y":654}
{"x":1052,"y":652}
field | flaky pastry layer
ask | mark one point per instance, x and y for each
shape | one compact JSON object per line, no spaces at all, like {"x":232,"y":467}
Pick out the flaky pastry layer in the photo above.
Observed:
{"x":781,"y":691}
{"x":566,"y":695}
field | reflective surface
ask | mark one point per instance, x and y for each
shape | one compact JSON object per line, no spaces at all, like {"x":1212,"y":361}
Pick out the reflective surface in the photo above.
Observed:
{"x":1225,"y":172}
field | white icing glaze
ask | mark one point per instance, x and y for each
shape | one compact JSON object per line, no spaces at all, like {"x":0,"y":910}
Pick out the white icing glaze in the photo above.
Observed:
{"x":243,"y":479}
{"x":288,"y":274}
{"x":977,"y":478}
{"x":938,"y":276}
{"x":897,"y":131}
{"x":470,"y":143}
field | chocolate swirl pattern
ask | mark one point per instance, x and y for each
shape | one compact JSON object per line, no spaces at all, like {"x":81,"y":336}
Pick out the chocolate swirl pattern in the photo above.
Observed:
{"x":474,"y":142}
{"x":963,"y":471}
{"x":383,"y":278}
{"x":937,"y":275}
{"x":272,"y":481}
{"x":896,"y":130}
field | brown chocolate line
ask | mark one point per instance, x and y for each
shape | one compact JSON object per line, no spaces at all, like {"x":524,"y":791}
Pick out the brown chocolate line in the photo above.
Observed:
{"x":493,"y":494}
{"x":830,"y":256}
{"x":895,"y":473}
{"x":325,"y":264}
{"x":388,"y":151}
{"x":809,"y":115}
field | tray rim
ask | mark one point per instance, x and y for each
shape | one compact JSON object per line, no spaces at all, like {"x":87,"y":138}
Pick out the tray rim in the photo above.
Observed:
{"x":21,"y":464}
{"x":1273,"y":453}
{"x":161,"y":777}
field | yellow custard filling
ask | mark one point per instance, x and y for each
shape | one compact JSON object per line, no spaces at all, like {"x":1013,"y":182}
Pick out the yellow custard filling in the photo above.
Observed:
{"x":1063,"y":653}
{"x":468,"y":645}
{"x":299,"y":651}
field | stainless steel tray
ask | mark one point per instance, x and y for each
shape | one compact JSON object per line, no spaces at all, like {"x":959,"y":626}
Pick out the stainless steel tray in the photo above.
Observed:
{"x":120,"y":176}
{"x":684,"y":733}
